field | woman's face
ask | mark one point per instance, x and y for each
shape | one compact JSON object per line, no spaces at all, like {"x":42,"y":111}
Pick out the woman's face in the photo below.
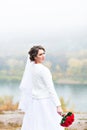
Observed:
{"x":40,"y":56}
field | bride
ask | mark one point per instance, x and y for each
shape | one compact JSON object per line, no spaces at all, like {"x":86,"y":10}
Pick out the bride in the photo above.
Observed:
{"x":39,"y":99}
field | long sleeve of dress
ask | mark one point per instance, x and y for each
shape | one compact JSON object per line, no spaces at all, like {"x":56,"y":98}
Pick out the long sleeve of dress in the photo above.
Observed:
{"x":47,"y":79}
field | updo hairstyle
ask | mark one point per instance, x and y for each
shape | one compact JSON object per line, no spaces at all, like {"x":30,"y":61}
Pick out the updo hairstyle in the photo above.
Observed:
{"x":34,"y":51}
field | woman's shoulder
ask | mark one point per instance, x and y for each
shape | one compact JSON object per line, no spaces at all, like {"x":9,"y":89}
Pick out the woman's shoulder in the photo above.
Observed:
{"x":44,"y":69}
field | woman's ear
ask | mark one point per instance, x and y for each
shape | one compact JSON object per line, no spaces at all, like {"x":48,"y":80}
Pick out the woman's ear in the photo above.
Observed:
{"x":35,"y":58}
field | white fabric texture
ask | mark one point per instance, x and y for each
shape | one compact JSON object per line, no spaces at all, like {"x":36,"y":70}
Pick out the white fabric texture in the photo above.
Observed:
{"x":42,"y":83}
{"x":26,"y":88}
{"x":39,"y":99}
{"x":43,"y":117}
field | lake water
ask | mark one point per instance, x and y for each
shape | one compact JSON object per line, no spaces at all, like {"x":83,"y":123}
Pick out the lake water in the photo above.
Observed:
{"x":76,"y":95}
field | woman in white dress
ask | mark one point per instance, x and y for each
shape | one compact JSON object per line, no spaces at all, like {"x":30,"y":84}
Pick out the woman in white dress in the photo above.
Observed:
{"x":39,"y":99}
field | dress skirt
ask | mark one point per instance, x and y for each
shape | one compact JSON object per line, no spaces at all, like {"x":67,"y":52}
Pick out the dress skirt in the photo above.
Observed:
{"x":44,"y":116}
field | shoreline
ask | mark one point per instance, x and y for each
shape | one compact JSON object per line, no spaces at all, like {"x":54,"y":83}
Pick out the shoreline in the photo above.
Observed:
{"x":13,"y":120}
{"x":59,"y":82}
{"x":69,"y":82}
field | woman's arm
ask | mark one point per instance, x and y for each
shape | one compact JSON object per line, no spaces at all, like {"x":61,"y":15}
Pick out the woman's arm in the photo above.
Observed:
{"x":60,"y":111}
{"x":47,"y":78}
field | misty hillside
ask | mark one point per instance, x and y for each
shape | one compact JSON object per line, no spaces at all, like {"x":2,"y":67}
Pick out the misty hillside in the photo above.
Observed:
{"x":70,"y":67}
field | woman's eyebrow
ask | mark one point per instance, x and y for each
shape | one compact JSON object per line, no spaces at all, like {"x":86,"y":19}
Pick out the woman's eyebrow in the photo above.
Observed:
{"x":42,"y":53}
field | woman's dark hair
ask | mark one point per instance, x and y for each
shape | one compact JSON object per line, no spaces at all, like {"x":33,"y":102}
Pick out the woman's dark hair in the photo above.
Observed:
{"x":34,"y":51}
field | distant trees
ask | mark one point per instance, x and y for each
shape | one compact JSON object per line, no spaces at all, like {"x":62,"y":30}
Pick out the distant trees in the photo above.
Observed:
{"x":70,"y":67}
{"x":77,"y":68}
{"x":11,"y":69}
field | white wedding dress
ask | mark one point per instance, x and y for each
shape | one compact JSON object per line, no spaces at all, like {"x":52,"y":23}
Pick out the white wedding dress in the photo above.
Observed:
{"x":39,"y":100}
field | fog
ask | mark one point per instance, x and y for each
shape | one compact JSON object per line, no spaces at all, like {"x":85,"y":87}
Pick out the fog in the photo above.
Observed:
{"x":57,"y":25}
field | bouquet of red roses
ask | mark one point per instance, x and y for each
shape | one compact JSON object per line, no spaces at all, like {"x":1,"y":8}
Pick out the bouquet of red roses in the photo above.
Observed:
{"x":67,"y":119}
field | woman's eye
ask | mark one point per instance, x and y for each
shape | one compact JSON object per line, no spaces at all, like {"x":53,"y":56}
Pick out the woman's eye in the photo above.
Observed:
{"x":40,"y":54}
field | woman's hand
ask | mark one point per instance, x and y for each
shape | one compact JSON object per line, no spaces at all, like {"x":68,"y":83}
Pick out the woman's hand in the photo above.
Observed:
{"x":59,"y":110}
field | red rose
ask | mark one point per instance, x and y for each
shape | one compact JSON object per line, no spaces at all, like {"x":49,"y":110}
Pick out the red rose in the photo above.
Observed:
{"x":63,"y":124}
{"x":72,"y":116}
{"x":72,"y":120}
{"x":66,"y":124}
{"x":67,"y":119}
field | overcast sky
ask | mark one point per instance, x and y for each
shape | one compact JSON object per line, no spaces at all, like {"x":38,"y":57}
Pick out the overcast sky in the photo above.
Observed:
{"x":56,"y":24}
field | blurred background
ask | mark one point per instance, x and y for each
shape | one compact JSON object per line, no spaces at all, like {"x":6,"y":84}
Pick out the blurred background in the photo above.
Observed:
{"x":59,"y":26}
